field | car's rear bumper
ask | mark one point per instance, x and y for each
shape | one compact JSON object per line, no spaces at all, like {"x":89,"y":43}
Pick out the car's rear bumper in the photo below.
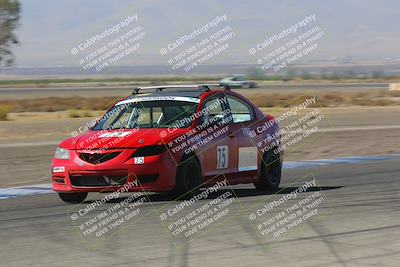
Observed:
{"x":156,"y":174}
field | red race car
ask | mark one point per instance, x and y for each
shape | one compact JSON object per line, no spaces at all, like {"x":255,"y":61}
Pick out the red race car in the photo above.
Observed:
{"x":171,"y":138}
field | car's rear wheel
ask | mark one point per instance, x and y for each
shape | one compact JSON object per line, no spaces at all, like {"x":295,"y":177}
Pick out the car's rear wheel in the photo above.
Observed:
{"x":188,"y":179}
{"x":77,"y":197}
{"x":271,"y":172}
{"x":246,"y":85}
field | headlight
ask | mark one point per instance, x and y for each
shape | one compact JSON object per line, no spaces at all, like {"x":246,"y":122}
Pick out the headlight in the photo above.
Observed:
{"x":61,"y":153}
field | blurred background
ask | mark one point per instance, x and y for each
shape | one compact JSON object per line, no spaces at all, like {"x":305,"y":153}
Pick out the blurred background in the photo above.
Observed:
{"x":64,"y":62}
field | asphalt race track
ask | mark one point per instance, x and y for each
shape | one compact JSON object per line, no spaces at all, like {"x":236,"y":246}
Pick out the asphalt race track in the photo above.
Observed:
{"x":357,"y":224}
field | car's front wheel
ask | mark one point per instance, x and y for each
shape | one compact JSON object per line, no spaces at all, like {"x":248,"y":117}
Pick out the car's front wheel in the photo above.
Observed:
{"x":270,"y":173}
{"x":73,"y":197}
{"x":188,"y":178}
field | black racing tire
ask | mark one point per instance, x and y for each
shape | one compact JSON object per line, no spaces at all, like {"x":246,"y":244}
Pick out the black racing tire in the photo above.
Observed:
{"x":270,"y":173}
{"x":73,"y":198}
{"x":188,"y":179}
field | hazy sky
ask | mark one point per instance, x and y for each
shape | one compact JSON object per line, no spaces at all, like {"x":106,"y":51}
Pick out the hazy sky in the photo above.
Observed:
{"x":360,"y":29}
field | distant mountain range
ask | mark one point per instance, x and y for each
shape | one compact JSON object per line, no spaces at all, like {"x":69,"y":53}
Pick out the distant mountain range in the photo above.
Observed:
{"x":355,"y":30}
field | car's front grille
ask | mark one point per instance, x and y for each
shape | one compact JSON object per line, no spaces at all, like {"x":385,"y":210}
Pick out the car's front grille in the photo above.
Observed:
{"x":116,"y":178}
{"x":97,"y":158}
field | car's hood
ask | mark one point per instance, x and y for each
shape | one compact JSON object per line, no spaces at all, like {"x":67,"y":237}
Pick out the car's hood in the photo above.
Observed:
{"x":134,"y":138}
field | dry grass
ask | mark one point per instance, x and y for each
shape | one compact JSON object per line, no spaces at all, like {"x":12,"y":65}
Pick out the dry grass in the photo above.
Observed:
{"x":4,"y":110}
{"x":327,"y":99}
{"x":74,"y":113}
{"x":79,"y":106}
{"x":58,"y":104}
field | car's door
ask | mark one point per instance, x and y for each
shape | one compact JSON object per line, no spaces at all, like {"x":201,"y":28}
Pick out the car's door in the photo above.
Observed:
{"x":218,"y":153}
{"x":242,"y":118}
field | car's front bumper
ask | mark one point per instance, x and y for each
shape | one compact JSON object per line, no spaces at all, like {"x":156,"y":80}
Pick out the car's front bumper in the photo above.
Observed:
{"x":157,"y":173}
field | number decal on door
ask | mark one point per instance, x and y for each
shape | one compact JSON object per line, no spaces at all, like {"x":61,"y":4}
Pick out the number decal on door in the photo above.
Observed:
{"x":222,"y":157}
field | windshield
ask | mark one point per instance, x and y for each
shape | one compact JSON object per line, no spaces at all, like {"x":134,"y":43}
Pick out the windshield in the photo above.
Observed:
{"x":148,"y":114}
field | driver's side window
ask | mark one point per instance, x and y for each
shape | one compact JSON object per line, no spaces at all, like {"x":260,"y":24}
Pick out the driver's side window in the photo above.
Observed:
{"x":213,"y":111}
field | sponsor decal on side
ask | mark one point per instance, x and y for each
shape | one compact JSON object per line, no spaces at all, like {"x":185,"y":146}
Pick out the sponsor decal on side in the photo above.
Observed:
{"x":247,"y":158}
